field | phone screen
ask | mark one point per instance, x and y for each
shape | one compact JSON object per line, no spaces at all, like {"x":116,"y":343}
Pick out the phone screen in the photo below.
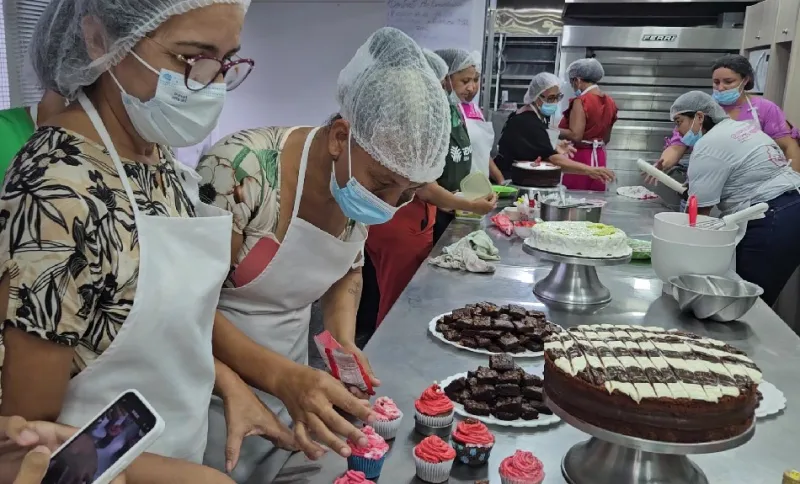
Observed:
{"x":101,"y":443}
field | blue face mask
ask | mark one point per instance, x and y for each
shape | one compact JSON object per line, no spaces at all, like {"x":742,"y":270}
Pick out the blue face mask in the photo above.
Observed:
{"x":728,"y":97}
{"x":356,"y":202}
{"x":549,"y":109}
{"x":691,"y":138}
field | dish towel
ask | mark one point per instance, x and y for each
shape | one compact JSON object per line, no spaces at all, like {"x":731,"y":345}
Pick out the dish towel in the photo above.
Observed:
{"x":469,"y":254}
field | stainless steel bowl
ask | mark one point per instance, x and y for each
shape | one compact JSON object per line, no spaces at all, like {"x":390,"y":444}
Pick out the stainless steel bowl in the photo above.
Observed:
{"x":579,"y":213}
{"x":714,"y":297}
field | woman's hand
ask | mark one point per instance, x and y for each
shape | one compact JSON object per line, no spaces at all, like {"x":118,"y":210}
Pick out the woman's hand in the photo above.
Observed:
{"x":312,"y":396}
{"x":669,"y":158}
{"x":603,"y":174}
{"x":484,"y":205}
{"x":246,"y":415}
{"x":362,"y":358}
{"x":566,"y":148}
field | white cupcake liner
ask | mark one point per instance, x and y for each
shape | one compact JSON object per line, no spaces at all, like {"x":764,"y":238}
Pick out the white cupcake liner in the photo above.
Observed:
{"x":387,"y":428}
{"x":436,"y":422}
{"x":511,"y":480}
{"x":433,"y":472}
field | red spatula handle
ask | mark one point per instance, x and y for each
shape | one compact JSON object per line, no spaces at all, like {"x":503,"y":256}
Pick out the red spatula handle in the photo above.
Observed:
{"x":692,"y":211}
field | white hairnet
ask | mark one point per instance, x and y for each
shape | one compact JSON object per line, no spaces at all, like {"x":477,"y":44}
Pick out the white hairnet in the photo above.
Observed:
{"x":587,"y":69}
{"x":436,"y":63}
{"x":397,"y":109}
{"x":58,"y":47}
{"x":459,"y":59}
{"x":539,"y":84}
{"x":697,"y":101}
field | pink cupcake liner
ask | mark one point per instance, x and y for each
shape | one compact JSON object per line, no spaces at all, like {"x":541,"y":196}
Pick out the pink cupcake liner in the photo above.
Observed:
{"x":433,"y":472}
{"x":436,"y":422}
{"x":387,"y":428}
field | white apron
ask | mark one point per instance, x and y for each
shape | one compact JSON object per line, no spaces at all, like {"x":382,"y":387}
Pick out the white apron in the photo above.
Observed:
{"x":481,"y":137}
{"x":163,"y":348}
{"x":274,"y":310}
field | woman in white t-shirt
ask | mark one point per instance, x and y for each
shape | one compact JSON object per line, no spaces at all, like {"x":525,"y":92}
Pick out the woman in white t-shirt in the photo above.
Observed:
{"x":735,"y":165}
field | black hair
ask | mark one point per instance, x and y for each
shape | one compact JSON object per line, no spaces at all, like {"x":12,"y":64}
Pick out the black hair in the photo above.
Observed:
{"x":708,"y":123}
{"x":738,"y":64}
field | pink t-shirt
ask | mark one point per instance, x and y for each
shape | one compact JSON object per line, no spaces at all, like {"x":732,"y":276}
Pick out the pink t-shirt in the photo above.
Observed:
{"x":770,"y":116}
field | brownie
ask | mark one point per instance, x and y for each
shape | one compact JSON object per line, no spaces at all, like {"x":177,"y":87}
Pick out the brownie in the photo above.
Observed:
{"x":508,"y":342}
{"x":529,"y":380}
{"x":507,"y":390}
{"x":472,"y":382}
{"x":529,"y":412}
{"x":477,"y":408}
{"x":461,"y":397}
{"x":468,"y":342}
{"x":503,"y":325}
{"x":509,"y":378}
{"x":536,"y":314}
{"x":483,"y":393}
{"x":451,"y":335}
{"x":535,"y":346}
{"x":508,"y":404}
{"x":532,"y":393}
{"x":462,"y":313}
{"x":517,"y":312}
{"x":483,"y":342}
{"x":542,"y":408}
{"x":486,"y":376}
{"x":489,"y":309}
{"x":491,"y":333}
{"x":508,"y":416}
{"x":456,"y":385}
{"x":504,"y":317}
{"x":441,"y":326}
{"x":463,"y":323}
{"x":501,"y":363}
{"x":526,"y":325}
{"x":495,"y":349}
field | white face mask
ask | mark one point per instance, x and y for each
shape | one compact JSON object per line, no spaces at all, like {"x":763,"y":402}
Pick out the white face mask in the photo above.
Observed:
{"x":176,"y":116}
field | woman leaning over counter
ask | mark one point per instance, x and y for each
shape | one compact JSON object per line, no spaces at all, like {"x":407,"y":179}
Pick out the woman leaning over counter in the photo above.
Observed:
{"x":735,"y":165}
{"x":112,"y":267}
{"x":731,"y":76}
{"x":302,"y":199}
{"x":525,"y":137}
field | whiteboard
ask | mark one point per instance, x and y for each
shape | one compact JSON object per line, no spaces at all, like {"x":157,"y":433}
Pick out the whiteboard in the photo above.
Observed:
{"x":436,"y":24}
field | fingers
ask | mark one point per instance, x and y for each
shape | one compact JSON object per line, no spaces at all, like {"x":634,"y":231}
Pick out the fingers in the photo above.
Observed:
{"x":324,"y":435}
{"x":233,"y":446}
{"x":16,"y":429}
{"x":34,"y":466}
{"x":279,"y":434}
{"x":311,"y":449}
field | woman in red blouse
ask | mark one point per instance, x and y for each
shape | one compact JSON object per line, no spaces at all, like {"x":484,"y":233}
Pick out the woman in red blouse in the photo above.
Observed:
{"x":587,"y":122}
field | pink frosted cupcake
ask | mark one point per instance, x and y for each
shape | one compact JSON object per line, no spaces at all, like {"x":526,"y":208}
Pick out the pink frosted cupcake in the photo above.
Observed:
{"x":521,"y":468}
{"x":369,"y":459}
{"x":434,"y":412}
{"x":353,"y":477}
{"x":388,"y":418}
{"x":434,"y":459}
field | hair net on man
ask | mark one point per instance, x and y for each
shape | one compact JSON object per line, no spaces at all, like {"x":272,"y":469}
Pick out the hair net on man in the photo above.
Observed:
{"x":459,"y":59}
{"x":587,"y":69}
{"x":397,"y":109}
{"x":539,"y":84}
{"x":438,"y":64}
{"x":58,"y":47}
{"x":697,"y":101}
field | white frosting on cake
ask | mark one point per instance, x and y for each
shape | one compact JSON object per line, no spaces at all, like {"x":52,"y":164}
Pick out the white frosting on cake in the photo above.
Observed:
{"x":582,"y":239}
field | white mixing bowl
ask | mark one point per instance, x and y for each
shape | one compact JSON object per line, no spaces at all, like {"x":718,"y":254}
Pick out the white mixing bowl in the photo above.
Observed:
{"x":672,"y":259}
{"x":674,"y":226}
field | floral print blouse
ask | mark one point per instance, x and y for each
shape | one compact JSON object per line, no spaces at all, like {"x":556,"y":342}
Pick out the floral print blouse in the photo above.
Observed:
{"x":68,"y":239}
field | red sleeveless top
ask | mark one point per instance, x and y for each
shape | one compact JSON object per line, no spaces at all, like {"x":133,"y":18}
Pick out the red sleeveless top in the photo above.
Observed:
{"x":601,"y":114}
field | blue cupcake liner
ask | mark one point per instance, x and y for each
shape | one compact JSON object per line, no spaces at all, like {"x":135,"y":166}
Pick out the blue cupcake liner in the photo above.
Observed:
{"x":472,"y":455}
{"x":370,"y":467}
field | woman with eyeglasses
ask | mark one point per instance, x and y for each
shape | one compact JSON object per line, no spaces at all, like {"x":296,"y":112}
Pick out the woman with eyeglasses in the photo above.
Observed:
{"x":111,"y":265}
{"x":525,"y":137}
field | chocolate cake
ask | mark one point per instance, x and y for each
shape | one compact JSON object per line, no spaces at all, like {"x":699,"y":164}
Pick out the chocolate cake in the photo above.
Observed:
{"x":502,"y":389}
{"x":532,"y":174}
{"x":499,"y":329}
{"x":647,"y":382}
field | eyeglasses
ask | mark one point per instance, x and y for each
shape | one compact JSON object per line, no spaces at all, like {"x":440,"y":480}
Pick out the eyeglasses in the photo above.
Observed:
{"x":202,"y":70}
{"x":553,"y":99}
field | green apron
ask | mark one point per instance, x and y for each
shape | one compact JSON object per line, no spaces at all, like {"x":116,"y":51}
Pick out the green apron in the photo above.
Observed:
{"x":458,"y":163}
{"x":16,"y":126}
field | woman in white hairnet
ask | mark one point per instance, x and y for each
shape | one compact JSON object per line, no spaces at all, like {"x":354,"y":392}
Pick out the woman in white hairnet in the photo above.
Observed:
{"x":302,"y":199}
{"x":112,"y":266}
{"x":525,"y":135}
{"x":588,"y":121}
{"x":733,"y":166}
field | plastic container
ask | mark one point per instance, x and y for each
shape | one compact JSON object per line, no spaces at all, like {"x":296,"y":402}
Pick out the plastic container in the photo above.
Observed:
{"x":674,"y":226}
{"x":512,"y":213}
{"x":670,"y":259}
{"x":475,"y":186}
{"x":505,"y":192}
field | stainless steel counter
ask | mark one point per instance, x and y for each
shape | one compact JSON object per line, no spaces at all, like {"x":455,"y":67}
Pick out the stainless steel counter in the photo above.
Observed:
{"x":408,"y":359}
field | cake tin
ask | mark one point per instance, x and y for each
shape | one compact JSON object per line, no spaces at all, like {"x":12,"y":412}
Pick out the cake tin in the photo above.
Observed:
{"x":584,"y":212}
{"x":714,"y":297}
{"x":671,"y":259}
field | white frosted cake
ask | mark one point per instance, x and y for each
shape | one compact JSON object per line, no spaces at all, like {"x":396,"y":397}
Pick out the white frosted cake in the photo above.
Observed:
{"x":582,"y":239}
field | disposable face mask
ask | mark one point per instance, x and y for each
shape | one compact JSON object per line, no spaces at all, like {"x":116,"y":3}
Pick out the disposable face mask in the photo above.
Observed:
{"x":356,"y":202}
{"x":549,"y":109}
{"x":691,"y":138}
{"x":176,"y":116}
{"x":728,"y":97}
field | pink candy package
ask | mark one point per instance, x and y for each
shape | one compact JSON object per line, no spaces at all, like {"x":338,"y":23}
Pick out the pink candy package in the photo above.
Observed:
{"x":503,"y":223}
{"x":342,"y":365}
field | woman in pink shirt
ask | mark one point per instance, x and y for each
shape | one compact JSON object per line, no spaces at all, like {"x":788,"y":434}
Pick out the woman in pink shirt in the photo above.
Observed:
{"x":732,"y":75}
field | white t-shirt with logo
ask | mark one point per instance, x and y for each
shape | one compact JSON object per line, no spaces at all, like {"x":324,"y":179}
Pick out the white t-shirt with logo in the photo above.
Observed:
{"x":736,"y":165}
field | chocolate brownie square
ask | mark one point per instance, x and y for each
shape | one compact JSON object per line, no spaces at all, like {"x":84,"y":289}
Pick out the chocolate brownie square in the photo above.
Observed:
{"x":509,"y":343}
{"x":462,"y":313}
{"x":461,"y":397}
{"x":529,"y":380}
{"x":517,"y":312}
{"x":507,"y":390}
{"x":508,"y":404}
{"x":509,"y":378}
{"x":502,"y":325}
{"x":489,"y":309}
{"x":483,"y":342}
{"x":532,"y":393}
{"x":472,"y":383}
{"x":508,"y":416}
{"x":451,"y":335}
{"x":482,"y":323}
{"x":468,"y":342}
{"x":463,"y":323}
{"x":441,"y":326}
{"x":457,"y":385}
{"x":526,"y":325}
{"x":535,"y":346}
{"x":501,"y":363}
{"x":483,"y":393}
{"x":542,"y":408}
{"x":523,"y":340}
{"x":528,"y":412}
{"x":477,"y":408}
{"x":538,"y":334}
{"x":491,"y":333}
{"x":536,"y":314}
{"x":503,"y":317}
{"x":486,"y":376}
{"x":495,"y":349}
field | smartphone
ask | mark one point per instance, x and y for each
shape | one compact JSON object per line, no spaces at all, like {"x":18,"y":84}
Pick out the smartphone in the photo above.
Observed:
{"x":103,"y":448}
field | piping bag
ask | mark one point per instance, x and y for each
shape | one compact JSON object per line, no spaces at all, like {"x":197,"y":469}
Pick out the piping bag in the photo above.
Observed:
{"x":342,"y":365}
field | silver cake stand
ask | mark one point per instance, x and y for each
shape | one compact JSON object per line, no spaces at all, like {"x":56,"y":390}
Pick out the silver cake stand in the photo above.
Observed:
{"x":573,"y":280}
{"x":537,"y":192}
{"x":612,"y":458}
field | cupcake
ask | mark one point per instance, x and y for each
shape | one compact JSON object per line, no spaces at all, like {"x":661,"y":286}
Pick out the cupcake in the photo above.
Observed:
{"x":369,"y":459}
{"x":388,"y":418}
{"x":353,"y":477}
{"x":434,"y":459}
{"x":521,"y":468}
{"x":434,"y":412}
{"x":473,"y":442}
